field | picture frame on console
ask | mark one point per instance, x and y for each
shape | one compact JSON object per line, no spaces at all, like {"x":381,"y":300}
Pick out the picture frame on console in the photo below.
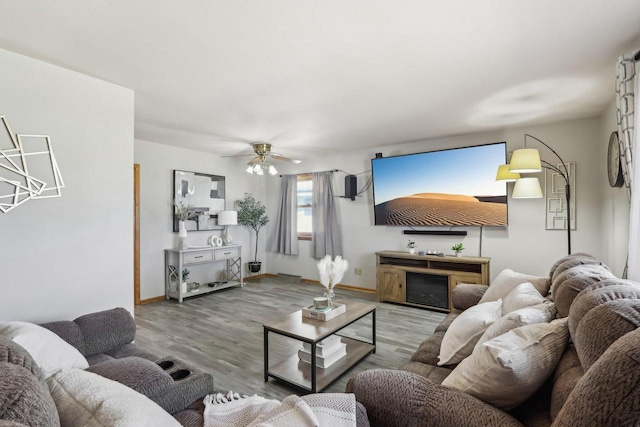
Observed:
{"x":203,"y":194}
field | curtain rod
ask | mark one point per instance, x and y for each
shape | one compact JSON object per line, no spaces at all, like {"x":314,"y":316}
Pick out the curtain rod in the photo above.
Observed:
{"x":309,"y":173}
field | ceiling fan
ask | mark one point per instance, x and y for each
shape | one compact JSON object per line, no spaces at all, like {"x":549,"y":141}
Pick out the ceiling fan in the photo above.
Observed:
{"x":261,"y":162}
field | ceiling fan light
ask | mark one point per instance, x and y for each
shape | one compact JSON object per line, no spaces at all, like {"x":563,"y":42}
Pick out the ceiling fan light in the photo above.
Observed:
{"x":272,"y":170}
{"x":257,"y":169}
{"x":250,"y":170}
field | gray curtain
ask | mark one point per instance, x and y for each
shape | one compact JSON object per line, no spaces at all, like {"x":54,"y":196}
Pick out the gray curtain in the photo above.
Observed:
{"x":326,"y":235}
{"x":285,"y":240}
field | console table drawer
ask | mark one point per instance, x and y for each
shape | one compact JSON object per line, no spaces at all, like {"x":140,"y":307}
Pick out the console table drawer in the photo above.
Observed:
{"x":226,"y":253}
{"x":197,"y":257}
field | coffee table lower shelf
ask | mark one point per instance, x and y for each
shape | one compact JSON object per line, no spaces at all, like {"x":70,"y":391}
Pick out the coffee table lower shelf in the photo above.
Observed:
{"x":298,"y":373}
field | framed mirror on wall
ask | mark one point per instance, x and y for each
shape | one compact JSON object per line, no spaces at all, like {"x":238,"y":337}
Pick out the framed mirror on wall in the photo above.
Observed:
{"x":203,"y":194}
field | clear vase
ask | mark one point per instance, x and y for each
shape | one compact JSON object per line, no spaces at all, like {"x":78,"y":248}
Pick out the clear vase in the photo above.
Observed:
{"x":182,"y":235}
{"x":330,"y":297}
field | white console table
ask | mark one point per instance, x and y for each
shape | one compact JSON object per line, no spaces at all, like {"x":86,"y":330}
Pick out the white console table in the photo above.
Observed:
{"x":176,"y":260}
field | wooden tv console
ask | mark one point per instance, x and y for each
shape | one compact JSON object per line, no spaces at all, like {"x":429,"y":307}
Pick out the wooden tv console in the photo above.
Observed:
{"x":431,"y":278}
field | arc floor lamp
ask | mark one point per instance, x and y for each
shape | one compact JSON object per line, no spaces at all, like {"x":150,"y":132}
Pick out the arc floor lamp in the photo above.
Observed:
{"x":527,"y":160}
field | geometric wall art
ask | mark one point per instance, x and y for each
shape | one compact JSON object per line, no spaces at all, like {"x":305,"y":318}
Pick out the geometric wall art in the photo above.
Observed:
{"x":28,"y":168}
{"x":556,"y":199}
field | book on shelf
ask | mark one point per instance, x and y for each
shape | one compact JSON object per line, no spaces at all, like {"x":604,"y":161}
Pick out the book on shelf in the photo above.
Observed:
{"x":325,"y":347}
{"x":324,"y":361}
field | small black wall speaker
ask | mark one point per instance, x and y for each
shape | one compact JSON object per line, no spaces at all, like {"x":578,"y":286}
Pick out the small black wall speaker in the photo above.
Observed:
{"x":378,"y":155}
{"x":350,"y":186}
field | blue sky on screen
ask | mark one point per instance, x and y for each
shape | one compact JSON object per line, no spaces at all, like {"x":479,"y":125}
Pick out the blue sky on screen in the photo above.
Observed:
{"x":470,"y":171}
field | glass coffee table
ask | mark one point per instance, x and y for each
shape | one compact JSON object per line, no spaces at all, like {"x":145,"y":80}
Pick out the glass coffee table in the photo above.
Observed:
{"x":307,"y":375}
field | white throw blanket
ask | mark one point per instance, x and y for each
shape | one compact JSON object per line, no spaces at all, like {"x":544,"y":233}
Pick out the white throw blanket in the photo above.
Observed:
{"x":314,"y":410}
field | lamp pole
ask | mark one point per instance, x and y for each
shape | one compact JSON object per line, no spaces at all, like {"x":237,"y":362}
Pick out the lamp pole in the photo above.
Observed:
{"x":567,"y":186}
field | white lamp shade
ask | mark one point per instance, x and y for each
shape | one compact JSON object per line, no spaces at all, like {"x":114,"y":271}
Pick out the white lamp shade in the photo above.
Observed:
{"x":525,"y":160}
{"x":527,"y":188}
{"x":504,"y":174}
{"x":227,"y":218}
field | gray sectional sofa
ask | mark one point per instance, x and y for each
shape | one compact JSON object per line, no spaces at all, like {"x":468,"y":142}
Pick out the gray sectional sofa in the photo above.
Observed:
{"x":595,"y":383}
{"x":105,"y":339}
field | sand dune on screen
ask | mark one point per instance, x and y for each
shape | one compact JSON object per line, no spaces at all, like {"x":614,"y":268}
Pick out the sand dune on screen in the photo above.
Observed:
{"x":440,"y":209}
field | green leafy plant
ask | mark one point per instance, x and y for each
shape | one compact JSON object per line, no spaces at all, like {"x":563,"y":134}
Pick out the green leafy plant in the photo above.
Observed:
{"x":457,"y":248}
{"x":411,"y":244}
{"x":252,"y":214}
{"x":185,"y":274}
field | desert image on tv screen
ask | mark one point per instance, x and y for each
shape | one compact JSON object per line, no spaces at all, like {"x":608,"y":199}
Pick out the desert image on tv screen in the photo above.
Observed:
{"x":449,"y":187}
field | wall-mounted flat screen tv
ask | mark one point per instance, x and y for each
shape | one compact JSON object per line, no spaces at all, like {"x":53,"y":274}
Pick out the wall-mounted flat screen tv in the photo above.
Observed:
{"x":441,"y":188}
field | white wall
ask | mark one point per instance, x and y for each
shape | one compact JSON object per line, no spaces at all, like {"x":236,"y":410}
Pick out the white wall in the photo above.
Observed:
{"x":157,"y":163}
{"x":69,"y":256}
{"x":615,"y":205}
{"x":524,"y":246}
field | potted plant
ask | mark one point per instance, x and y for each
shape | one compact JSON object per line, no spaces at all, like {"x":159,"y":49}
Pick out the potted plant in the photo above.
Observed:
{"x":412,"y":246}
{"x":458,"y":248}
{"x":252,"y":214}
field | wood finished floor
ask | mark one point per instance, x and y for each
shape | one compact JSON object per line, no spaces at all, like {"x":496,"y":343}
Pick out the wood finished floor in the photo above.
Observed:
{"x":222,"y":332}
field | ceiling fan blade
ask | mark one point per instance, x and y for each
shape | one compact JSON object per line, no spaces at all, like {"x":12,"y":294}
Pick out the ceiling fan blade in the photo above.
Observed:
{"x":241,"y":155}
{"x":253,"y":161}
{"x":285,"y":159}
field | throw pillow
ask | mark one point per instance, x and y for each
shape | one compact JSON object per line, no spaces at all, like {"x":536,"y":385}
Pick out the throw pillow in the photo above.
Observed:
{"x":524,"y":295}
{"x":50,"y":352}
{"x":508,"y":279}
{"x":541,"y":313}
{"x":466,"y":329}
{"x":508,"y":369}
{"x":87,"y":399}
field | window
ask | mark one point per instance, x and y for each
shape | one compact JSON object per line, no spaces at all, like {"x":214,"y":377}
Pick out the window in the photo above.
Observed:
{"x":304,"y":206}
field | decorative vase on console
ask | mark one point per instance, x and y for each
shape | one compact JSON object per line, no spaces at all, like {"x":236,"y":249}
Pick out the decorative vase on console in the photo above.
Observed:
{"x":412,"y":246}
{"x":331,"y":272}
{"x":182,"y":235}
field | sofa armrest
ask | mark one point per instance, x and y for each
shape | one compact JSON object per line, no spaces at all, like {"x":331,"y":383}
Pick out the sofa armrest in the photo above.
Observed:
{"x":466,"y":295}
{"x":398,"y":398}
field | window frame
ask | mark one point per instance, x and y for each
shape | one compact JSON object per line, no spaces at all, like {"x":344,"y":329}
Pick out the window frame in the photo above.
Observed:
{"x":303,"y":177}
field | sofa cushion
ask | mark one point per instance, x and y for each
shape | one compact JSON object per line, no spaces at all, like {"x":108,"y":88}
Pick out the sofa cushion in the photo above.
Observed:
{"x":607,"y":394}
{"x":568,"y":284}
{"x":569,"y":261}
{"x":600,"y":293}
{"x":429,"y":349}
{"x":508,"y":369}
{"x":602,"y":325}
{"x":106,"y":330}
{"x":466,"y":295}
{"x":508,"y":280}
{"x":142,"y":375}
{"x":448,"y":320}
{"x":540,"y":313}
{"x":565,"y":378}
{"x":87,"y":399}
{"x":24,"y":399}
{"x":11,"y":352}
{"x":466,"y":329}
{"x":50,"y":352}
{"x":524,"y":295}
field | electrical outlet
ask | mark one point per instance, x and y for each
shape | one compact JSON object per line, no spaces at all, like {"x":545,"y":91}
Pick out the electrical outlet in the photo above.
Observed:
{"x":357,"y":271}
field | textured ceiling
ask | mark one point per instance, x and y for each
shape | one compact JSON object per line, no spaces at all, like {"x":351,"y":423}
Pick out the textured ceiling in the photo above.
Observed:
{"x":322,"y":76}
